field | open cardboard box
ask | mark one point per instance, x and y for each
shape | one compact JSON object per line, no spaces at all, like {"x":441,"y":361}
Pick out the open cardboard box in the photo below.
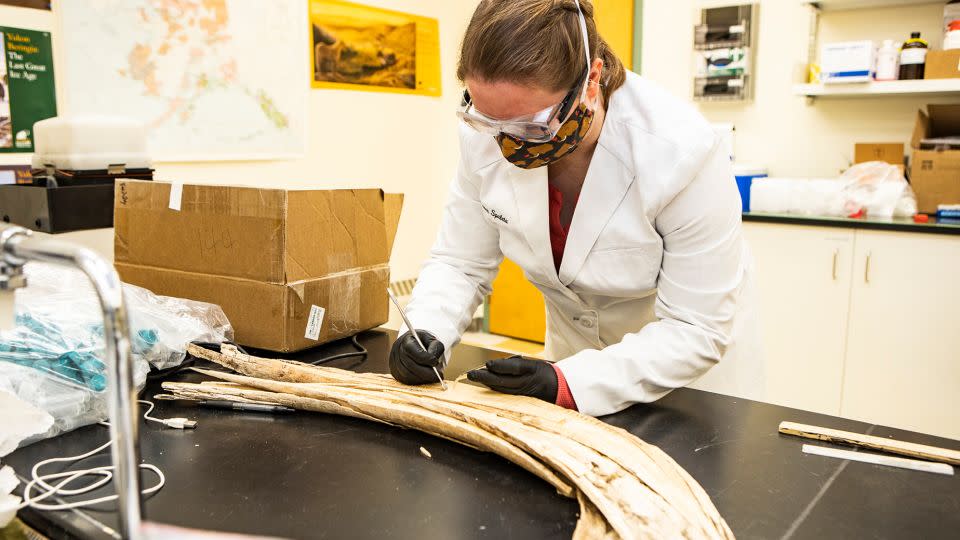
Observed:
{"x":291,"y":269}
{"x":935,"y":174}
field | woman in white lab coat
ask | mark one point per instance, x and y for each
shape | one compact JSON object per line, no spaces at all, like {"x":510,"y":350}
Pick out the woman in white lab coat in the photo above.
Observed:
{"x":616,"y":199}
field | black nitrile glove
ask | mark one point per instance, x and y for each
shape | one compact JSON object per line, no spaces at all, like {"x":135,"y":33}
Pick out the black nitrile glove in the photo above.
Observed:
{"x":519,"y":376}
{"x":410,"y":364}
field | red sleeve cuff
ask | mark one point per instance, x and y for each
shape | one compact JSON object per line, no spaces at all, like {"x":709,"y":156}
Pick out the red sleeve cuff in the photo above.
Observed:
{"x":564,"y":397}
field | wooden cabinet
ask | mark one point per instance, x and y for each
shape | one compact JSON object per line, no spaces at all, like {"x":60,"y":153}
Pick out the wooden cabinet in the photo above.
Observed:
{"x":803,"y":277}
{"x":859,"y":324}
{"x":903,"y":350}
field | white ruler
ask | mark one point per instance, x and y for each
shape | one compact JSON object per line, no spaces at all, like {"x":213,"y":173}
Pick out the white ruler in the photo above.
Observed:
{"x":877,"y":459}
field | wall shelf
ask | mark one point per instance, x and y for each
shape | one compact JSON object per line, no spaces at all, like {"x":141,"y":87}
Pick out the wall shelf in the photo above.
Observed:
{"x":924,"y":87}
{"x":841,"y":5}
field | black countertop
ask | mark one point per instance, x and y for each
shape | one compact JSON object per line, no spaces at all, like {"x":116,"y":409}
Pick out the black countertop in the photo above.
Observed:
{"x":307,"y":475}
{"x":934,"y":226}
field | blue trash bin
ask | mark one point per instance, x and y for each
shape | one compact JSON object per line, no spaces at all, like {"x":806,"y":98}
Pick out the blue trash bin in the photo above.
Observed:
{"x":745,"y":175}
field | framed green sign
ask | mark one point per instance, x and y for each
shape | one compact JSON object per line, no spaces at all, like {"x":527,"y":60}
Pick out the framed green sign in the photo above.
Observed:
{"x":27,"y":93}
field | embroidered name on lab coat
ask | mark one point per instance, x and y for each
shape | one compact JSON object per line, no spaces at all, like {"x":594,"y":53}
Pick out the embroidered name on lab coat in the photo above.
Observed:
{"x":496,"y":215}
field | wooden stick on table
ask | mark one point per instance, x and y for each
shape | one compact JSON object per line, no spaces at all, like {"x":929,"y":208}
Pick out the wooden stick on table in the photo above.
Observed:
{"x":892,"y":446}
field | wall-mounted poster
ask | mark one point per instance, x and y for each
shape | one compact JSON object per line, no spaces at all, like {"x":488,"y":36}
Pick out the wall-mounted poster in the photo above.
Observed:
{"x":212,"y":79}
{"x":15,"y":174}
{"x":27,"y":94}
{"x":358,"y":47}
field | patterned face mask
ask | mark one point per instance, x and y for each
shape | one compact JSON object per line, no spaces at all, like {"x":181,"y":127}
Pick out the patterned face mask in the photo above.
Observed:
{"x":528,"y":155}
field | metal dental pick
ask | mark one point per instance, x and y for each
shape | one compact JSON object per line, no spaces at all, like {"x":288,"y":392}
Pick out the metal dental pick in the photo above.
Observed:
{"x":413,"y":331}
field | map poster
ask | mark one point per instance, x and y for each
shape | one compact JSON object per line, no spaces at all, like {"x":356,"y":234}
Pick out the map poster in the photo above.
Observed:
{"x":213,"y":80}
{"x":358,"y":47}
{"x":27,"y":94}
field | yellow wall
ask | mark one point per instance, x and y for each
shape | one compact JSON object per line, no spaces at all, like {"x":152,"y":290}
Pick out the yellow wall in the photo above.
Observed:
{"x":516,"y":307}
{"x":615,"y":22}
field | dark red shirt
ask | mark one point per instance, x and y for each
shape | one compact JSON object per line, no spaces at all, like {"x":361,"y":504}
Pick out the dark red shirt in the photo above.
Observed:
{"x":558,"y":233}
{"x":558,"y":243}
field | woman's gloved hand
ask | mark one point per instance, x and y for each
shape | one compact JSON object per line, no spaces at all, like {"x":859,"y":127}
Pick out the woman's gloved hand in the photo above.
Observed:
{"x":410,"y":364}
{"x":519,"y":376}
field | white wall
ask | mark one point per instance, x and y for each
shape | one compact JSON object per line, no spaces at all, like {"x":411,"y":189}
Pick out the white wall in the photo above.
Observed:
{"x":401,"y":143}
{"x":778,"y":129}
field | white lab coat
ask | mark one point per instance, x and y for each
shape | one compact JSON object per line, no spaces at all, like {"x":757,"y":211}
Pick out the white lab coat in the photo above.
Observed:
{"x":655,"y":267}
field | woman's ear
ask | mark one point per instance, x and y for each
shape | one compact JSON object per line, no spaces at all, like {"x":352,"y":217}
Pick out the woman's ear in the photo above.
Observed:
{"x":596,"y":75}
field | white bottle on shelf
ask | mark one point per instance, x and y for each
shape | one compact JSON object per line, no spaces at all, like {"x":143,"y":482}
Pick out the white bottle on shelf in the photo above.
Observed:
{"x":951,"y":12}
{"x":888,"y":61}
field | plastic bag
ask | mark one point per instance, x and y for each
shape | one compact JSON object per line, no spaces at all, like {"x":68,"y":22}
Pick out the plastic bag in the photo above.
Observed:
{"x":53,"y":359}
{"x":801,"y":196}
{"x":161,"y":326}
{"x":878,"y":189}
{"x":875,"y":188}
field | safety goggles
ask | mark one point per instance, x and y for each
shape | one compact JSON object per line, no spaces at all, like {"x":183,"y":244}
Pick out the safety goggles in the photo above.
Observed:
{"x":538,"y":127}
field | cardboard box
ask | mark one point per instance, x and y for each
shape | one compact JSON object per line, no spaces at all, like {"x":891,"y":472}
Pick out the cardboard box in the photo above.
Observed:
{"x":935,"y":174}
{"x":942,"y":65}
{"x":888,"y":152}
{"x":291,"y":269}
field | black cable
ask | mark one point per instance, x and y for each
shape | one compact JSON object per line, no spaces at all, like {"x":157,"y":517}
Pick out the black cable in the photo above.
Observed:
{"x":189,"y":361}
{"x":362,"y":353}
{"x":163,"y":373}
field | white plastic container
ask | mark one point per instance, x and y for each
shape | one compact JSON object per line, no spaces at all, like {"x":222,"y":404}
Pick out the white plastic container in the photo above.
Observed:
{"x":801,"y":196}
{"x":951,"y":12}
{"x":90,"y":143}
{"x":952,"y":40}
{"x":888,"y":61}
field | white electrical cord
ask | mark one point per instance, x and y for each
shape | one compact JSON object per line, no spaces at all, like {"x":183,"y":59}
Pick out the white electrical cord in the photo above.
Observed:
{"x":40,"y":482}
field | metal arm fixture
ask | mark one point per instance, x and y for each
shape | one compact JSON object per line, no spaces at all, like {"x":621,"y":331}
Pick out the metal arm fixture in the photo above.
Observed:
{"x":17,"y":247}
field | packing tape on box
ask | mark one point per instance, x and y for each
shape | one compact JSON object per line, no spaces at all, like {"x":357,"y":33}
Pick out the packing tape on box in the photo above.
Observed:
{"x":341,"y":314}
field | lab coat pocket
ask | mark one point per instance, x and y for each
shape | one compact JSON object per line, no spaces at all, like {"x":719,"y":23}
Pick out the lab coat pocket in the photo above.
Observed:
{"x":624,"y":273}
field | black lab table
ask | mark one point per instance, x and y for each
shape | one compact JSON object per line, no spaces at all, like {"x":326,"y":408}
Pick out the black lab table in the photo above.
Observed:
{"x":306,"y":475}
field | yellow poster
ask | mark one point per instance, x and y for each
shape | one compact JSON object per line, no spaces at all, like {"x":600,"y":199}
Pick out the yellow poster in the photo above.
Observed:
{"x":359,"y":47}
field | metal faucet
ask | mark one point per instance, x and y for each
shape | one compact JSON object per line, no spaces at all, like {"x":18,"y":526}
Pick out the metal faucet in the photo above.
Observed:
{"x":17,"y":247}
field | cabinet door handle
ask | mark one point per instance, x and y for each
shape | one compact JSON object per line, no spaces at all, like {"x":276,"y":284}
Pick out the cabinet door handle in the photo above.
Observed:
{"x":836,"y":255}
{"x":866,"y":269}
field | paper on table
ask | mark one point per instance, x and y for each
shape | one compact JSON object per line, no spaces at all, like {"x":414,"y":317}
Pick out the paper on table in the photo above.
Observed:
{"x":8,"y":503}
{"x":18,"y":421}
{"x":152,"y":531}
{"x":8,"y":509}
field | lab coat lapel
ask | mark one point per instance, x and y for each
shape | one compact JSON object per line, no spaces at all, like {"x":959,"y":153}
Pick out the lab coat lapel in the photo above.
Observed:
{"x":530,"y":190}
{"x":603,"y":190}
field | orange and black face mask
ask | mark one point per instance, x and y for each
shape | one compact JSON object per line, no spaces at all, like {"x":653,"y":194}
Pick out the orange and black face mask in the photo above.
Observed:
{"x":530,"y":155}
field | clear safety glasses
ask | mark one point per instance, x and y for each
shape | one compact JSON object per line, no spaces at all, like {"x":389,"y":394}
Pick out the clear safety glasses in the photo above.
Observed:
{"x":538,"y":127}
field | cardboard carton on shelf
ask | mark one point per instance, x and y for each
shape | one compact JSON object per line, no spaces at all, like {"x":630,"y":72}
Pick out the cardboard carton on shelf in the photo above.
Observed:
{"x":291,"y":269}
{"x":935,"y":165}
{"x":888,"y":152}
{"x":942,"y":65}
